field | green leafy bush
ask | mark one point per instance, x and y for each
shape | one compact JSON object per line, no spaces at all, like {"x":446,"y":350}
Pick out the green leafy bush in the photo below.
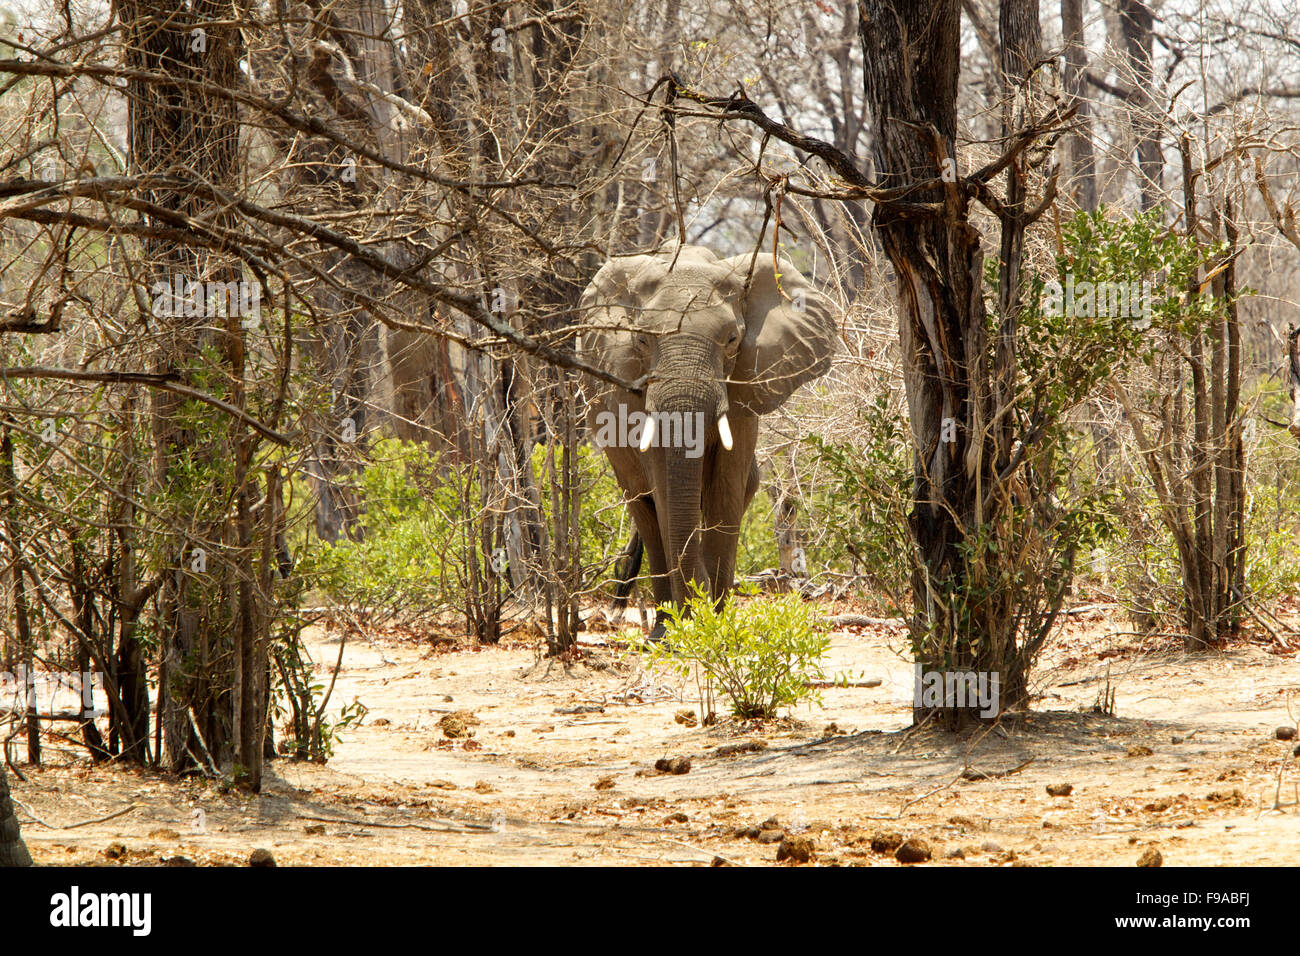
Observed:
{"x":604,"y":525}
{"x":1272,"y":497}
{"x":404,"y":563}
{"x":868,"y":494}
{"x":762,"y":653}
{"x":756,"y":549}
{"x":418,"y":539}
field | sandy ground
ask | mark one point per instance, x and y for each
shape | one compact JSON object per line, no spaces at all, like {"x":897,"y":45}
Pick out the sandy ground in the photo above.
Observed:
{"x":560,"y":767}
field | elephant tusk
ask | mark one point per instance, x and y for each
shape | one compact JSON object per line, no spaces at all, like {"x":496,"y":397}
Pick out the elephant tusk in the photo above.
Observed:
{"x":724,"y":431}
{"x":647,"y":432}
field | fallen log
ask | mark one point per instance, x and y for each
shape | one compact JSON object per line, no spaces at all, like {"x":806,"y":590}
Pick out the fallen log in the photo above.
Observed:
{"x":862,"y":620}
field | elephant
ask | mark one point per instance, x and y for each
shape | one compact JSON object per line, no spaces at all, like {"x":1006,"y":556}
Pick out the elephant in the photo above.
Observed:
{"x":712,"y":359}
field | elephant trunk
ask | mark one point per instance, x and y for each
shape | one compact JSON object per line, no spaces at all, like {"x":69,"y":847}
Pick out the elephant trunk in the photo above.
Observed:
{"x":687,"y":408}
{"x":682,"y":521}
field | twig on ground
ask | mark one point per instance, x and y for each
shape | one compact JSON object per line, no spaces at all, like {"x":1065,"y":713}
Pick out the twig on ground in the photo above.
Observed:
{"x":1088,"y":608}
{"x":72,"y":826}
{"x":910,"y":732}
{"x":970,"y":773}
{"x":710,"y":853}
{"x":1262,"y":623}
{"x":450,"y":828}
{"x":862,"y":620}
{"x":911,"y":803}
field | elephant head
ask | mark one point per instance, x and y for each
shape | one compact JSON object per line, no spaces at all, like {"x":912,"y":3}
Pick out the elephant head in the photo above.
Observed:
{"x":713,"y":358}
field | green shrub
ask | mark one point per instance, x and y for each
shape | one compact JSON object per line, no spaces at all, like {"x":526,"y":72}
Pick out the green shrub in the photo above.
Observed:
{"x":756,"y":548}
{"x":866,"y":497}
{"x":413,"y":557}
{"x":406,"y":561}
{"x":1272,"y":498}
{"x":762,"y":653}
{"x":603,"y":522}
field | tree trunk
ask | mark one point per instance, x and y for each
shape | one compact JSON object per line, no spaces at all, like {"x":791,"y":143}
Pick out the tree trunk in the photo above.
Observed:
{"x":1136,"y":25}
{"x":83,"y":606}
{"x":962,"y":615}
{"x":1199,"y":473}
{"x":202,"y":627}
{"x":1293,"y":365}
{"x":128,"y":684}
{"x":13,"y":851}
{"x":1082,"y":177}
{"x":17,"y":571}
{"x":1021,"y":44}
{"x":791,"y":554}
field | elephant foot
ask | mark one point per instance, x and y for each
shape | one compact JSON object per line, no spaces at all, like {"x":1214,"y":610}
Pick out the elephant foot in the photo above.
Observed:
{"x":658,"y":632}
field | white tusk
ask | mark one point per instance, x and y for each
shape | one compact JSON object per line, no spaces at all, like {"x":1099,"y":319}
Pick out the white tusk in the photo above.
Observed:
{"x":724,"y":431}
{"x":647,"y":432}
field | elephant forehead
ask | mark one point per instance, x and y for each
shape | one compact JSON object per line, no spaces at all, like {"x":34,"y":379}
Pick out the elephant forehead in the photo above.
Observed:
{"x":651,"y":274}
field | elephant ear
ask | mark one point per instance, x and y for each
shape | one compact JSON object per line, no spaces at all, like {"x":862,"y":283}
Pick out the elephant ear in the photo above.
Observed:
{"x":603,"y":313}
{"x":788,"y":338}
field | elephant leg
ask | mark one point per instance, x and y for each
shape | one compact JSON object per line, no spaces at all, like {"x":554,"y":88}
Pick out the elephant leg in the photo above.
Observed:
{"x":642,"y":510}
{"x":626,"y":569}
{"x":637,"y":492}
{"x":726,"y":498}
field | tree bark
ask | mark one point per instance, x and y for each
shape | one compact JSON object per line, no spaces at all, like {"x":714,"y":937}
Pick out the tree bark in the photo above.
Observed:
{"x":911,"y":56}
{"x":202,"y":628}
{"x":13,"y":851}
{"x":1020,"y":38}
{"x":1136,"y":25}
{"x":17,"y":571}
{"x":1082,"y":176}
{"x":1293,"y":363}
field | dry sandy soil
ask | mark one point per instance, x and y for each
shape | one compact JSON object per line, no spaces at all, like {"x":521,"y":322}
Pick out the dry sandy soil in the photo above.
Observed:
{"x":560,"y":767}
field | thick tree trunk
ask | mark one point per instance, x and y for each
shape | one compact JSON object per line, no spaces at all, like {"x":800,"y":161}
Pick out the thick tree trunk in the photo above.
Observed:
{"x":1082,"y":176}
{"x":911,"y":66}
{"x":206,"y":622}
{"x":963,"y":616}
{"x":13,"y":851}
{"x":17,"y":571}
{"x":1136,"y":25}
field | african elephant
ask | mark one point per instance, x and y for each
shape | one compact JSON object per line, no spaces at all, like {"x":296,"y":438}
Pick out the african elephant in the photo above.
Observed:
{"x":713,"y":361}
